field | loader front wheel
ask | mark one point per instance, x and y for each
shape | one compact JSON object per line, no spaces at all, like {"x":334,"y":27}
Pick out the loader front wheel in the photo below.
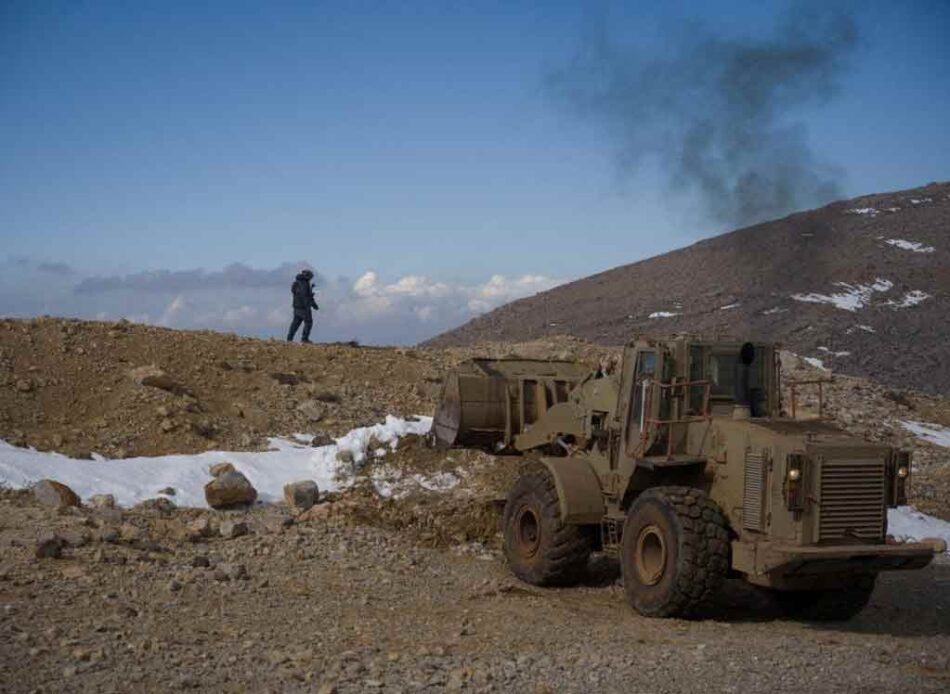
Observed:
{"x":675,"y":552}
{"x":540,"y":548}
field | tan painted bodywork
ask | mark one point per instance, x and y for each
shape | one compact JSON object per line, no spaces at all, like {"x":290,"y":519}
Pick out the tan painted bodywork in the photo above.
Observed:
{"x":617,"y":434}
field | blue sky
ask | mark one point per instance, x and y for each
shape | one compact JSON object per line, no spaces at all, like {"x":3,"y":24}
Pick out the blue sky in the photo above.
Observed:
{"x":413,"y":139}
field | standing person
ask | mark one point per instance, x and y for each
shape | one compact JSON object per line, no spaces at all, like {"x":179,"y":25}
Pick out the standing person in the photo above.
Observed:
{"x":302,"y":290}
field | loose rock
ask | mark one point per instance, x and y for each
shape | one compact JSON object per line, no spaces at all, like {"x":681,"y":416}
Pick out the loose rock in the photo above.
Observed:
{"x":231,"y":529}
{"x":55,"y":494}
{"x":102,"y":501}
{"x":229,"y":490}
{"x":219,"y":469}
{"x":50,"y":547}
{"x":302,"y":495}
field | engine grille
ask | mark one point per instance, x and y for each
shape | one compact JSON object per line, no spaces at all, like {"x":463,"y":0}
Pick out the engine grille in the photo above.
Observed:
{"x":753,"y":496}
{"x":852,"y":500}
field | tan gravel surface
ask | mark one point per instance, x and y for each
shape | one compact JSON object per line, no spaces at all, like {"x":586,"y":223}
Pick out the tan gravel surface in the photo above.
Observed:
{"x":326,"y":606}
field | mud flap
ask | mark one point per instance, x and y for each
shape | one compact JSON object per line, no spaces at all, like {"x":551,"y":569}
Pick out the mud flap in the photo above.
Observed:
{"x":578,"y":490}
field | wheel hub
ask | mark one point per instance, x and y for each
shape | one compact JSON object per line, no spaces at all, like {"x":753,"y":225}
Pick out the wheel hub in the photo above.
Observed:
{"x":650,"y":555}
{"x":528,"y":529}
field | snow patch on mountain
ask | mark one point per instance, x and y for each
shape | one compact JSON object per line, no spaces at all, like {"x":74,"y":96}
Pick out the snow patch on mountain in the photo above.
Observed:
{"x":909,"y":299}
{"x":853,"y":296}
{"x":913,"y":246}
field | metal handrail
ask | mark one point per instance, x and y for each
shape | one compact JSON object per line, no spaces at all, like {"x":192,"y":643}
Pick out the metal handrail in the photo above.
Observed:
{"x":820,"y":382}
{"x":646,"y":422}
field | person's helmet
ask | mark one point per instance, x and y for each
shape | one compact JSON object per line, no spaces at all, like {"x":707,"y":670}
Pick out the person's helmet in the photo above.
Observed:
{"x":307,"y":273}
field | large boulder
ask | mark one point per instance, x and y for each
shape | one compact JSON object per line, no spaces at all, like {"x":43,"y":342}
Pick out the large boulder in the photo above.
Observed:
{"x":55,"y":494}
{"x":230,"y":489}
{"x":302,"y":495}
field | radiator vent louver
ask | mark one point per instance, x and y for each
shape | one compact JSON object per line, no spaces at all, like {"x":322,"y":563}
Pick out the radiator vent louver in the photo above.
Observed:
{"x":852,"y":500}
{"x":753,"y":497}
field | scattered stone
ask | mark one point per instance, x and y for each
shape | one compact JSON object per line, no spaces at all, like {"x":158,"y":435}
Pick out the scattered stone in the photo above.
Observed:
{"x":231,"y":529}
{"x":75,"y":538}
{"x":301,"y":496}
{"x":55,"y":494}
{"x":131,"y":533}
{"x":167,"y":425}
{"x":312,"y":410}
{"x":102,"y":501}
{"x":219,"y":469}
{"x":231,"y":572}
{"x":322,"y":438}
{"x":167,"y":491}
{"x":24,"y":386}
{"x":50,"y":547}
{"x":159,"y":504}
{"x":174,"y":586}
{"x":153,"y":377}
{"x":200,"y":561}
{"x":204,"y":428}
{"x":200,"y":528}
{"x":345,"y":455}
{"x":108,"y":534}
{"x":229,"y":490}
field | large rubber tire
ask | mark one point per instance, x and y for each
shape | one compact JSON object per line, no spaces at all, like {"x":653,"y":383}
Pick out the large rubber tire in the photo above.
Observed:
{"x":540,"y":548}
{"x":828,"y":605}
{"x":675,"y":552}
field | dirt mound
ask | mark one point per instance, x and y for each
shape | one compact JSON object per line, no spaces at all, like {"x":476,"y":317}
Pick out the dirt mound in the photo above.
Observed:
{"x":121,"y":389}
{"x":862,"y":284}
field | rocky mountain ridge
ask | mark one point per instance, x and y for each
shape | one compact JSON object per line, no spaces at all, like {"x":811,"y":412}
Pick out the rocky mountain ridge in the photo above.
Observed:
{"x":863,"y":285}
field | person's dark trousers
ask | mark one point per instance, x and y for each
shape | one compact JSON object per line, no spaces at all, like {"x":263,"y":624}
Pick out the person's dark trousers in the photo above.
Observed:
{"x":301,"y":316}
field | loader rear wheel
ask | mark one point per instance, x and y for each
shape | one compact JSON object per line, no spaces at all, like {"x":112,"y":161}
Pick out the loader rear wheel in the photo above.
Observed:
{"x":675,"y":552}
{"x":828,"y":605}
{"x":540,"y":548}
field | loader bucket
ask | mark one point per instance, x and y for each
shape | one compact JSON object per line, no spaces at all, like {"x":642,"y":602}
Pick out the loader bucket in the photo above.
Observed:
{"x":486,"y":402}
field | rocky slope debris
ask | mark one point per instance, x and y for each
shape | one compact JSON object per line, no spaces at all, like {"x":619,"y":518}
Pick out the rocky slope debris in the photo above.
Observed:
{"x":863,"y":284}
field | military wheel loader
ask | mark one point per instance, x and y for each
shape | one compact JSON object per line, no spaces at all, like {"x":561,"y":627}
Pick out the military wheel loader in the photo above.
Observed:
{"x":682,"y":464}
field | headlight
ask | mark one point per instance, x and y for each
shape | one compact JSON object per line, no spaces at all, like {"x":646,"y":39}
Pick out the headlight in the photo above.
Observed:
{"x":794,"y":481}
{"x":898,"y":478}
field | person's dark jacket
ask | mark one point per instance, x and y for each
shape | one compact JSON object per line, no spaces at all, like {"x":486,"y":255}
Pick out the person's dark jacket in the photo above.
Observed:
{"x":303,"y":294}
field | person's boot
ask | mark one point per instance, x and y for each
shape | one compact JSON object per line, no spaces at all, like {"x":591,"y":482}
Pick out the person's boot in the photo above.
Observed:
{"x":306,"y":341}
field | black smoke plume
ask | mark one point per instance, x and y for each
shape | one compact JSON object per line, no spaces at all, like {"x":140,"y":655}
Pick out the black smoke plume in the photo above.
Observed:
{"x":717,"y":113}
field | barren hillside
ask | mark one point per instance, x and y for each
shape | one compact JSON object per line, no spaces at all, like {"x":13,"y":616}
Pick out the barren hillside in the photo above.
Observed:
{"x":860,"y":284}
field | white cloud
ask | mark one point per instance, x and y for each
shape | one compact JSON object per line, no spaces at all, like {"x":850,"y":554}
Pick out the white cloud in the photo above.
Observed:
{"x":371,"y":308}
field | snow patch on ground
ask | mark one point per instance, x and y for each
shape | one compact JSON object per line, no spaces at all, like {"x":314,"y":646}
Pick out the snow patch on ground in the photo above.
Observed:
{"x":773,"y":310}
{"x":920,"y":201}
{"x":913,"y":246}
{"x":834,"y":354}
{"x":934,"y":433}
{"x":908,"y":524}
{"x":662,"y":314}
{"x":729,"y":306}
{"x":869,"y":211}
{"x":814,"y":361}
{"x":854,"y":296}
{"x":865,"y":328}
{"x":909,"y":299}
{"x":135,"y":479}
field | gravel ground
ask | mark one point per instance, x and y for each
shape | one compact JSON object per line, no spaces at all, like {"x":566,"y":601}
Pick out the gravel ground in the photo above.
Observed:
{"x":324,"y":606}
